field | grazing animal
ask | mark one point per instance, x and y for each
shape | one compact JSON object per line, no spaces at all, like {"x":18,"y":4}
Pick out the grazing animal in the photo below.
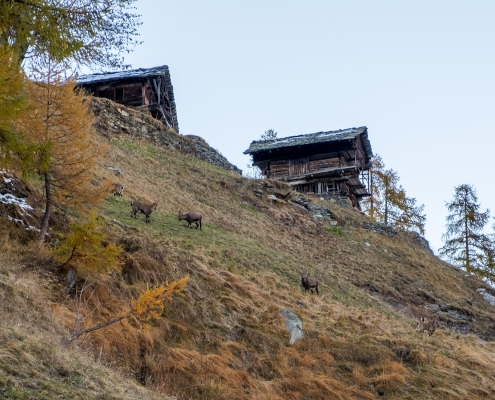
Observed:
{"x":309,"y":283}
{"x":146,"y":209}
{"x":195,"y":217}
{"x":426,"y":324}
{"x":118,"y":190}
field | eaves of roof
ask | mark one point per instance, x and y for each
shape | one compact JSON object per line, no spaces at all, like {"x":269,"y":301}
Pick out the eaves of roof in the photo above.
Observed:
{"x":312,"y":138}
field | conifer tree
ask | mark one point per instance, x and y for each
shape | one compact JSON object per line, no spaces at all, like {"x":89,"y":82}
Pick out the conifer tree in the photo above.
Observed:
{"x":85,"y":250}
{"x":148,"y":306}
{"x":389,"y":203}
{"x":81,"y":31}
{"x":15,"y":153}
{"x":465,"y":244}
{"x":56,"y":116}
{"x":269,"y":134}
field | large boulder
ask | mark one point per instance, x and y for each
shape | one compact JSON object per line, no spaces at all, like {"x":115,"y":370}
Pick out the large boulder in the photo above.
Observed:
{"x":293,"y":325}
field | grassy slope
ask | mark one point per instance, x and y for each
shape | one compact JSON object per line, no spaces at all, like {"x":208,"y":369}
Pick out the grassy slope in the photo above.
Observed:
{"x":33,"y":363}
{"x":225,"y":338}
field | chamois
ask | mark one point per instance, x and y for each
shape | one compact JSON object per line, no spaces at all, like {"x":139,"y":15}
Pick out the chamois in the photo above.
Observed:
{"x":426,"y":324}
{"x":195,"y":217}
{"x":309,"y":283}
{"x":144,"y":208}
{"x":118,"y":189}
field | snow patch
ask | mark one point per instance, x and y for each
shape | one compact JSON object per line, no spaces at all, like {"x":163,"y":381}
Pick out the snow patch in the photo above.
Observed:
{"x":11,"y":199}
{"x":15,"y":220}
{"x":487,"y":296}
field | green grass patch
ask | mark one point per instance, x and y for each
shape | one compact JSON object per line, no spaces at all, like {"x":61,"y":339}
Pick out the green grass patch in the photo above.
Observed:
{"x":230,"y":251}
{"x":335,"y":230}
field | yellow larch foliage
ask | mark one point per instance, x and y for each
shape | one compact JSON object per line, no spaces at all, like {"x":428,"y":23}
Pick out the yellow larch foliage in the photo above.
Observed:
{"x":150,"y":304}
{"x":56,"y":116}
{"x":85,"y":249}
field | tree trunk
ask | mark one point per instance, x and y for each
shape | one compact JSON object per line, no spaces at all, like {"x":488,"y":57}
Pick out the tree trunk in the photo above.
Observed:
{"x":386,"y":205}
{"x":466,"y":237}
{"x":48,"y":207}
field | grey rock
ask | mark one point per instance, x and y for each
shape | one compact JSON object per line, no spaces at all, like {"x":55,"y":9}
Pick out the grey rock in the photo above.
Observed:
{"x":115,"y":171}
{"x":389,"y":231}
{"x":302,"y":208}
{"x":293,"y":325}
{"x":210,"y":155}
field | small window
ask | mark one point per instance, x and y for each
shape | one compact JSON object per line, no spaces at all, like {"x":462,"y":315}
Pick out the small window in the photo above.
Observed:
{"x":119,"y":94}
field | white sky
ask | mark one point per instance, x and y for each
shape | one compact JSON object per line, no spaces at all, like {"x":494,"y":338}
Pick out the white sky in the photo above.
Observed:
{"x":419,"y":74}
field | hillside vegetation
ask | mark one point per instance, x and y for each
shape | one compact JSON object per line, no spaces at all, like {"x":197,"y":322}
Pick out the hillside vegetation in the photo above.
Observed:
{"x":226,"y":339}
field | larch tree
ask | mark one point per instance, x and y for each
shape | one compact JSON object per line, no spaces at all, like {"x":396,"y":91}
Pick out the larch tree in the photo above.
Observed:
{"x":85,"y":32}
{"x":56,"y":116}
{"x":11,"y":102}
{"x":85,"y":249}
{"x":389,"y":203}
{"x":466,"y":246}
{"x":147,"y":307}
{"x":15,"y":153}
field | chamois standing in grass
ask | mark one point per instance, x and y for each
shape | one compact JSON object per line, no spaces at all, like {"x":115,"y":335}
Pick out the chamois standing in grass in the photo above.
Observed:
{"x":195,"y":217}
{"x":309,"y":283}
{"x":118,"y":190}
{"x":146,"y":209}
{"x":426,"y":324}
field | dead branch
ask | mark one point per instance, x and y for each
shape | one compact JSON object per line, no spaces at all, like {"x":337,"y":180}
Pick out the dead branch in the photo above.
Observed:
{"x":75,"y":335}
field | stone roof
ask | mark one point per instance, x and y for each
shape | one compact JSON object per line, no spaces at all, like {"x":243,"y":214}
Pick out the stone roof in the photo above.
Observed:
{"x":312,"y":138}
{"x":118,"y":75}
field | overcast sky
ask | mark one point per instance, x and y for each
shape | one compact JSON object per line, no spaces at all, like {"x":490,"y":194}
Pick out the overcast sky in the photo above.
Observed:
{"x":418,"y":74}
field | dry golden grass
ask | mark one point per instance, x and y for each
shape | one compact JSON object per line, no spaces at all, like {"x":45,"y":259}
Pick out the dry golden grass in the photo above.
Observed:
{"x":33,"y":362}
{"x":226,"y":339}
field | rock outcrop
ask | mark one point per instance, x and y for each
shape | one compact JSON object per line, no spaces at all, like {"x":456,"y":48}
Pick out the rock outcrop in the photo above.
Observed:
{"x":206,"y":153}
{"x":116,"y":120}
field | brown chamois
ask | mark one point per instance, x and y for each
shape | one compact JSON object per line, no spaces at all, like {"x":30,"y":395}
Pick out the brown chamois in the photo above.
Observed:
{"x":143,"y":207}
{"x":426,"y":324}
{"x":195,"y":217}
{"x":118,"y":190}
{"x":309,"y":283}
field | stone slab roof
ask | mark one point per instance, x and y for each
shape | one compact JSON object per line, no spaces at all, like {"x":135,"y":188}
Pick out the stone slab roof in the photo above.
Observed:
{"x":118,"y":75}
{"x":312,"y":138}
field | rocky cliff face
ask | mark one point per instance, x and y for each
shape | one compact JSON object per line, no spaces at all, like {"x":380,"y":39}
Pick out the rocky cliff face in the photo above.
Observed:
{"x":116,"y":120}
{"x":208,"y":154}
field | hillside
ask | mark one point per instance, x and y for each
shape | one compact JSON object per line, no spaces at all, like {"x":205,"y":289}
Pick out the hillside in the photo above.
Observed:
{"x":226,"y":338}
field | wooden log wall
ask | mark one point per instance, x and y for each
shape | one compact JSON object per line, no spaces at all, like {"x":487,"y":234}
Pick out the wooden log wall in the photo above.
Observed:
{"x":360,"y":154}
{"x":318,"y":165}
{"x":285,"y":169}
{"x":279,"y":169}
{"x":298,"y":167}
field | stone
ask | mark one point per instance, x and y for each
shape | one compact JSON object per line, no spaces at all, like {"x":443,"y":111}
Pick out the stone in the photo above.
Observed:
{"x":115,"y":171}
{"x":281,"y":192}
{"x":293,"y":325}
